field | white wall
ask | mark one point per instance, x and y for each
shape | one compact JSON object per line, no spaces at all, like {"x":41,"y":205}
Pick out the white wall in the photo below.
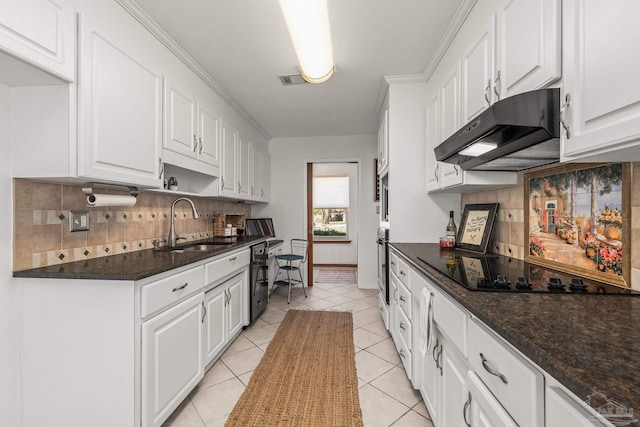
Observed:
{"x":414,"y":215}
{"x":341,"y":253}
{"x":9,"y":314}
{"x":287,"y":207}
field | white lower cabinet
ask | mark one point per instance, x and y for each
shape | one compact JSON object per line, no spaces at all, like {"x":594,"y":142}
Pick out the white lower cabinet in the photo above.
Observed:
{"x":171,"y":359}
{"x":215,"y":303}
{"x":482,"y":409}
{"x":562,"y":410}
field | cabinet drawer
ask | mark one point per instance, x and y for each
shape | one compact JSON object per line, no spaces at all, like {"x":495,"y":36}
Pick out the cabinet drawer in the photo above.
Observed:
{"x":405,"y":327}
{"x":221,"y":267}
{"x":165,"y":292}
{"x":403,"y":271}
{"x":384,"y":311}
{"x":404,"y":300}
{"x":520,"y":389}
{"x":451,"y":320}
{"x":393,"y":263}
{"x":406,"y":357}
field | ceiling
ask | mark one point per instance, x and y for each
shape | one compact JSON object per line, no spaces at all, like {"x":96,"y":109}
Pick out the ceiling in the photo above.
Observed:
{"x":244,"y":45}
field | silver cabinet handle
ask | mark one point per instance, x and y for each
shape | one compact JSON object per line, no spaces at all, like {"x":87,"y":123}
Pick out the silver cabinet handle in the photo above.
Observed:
{"x":467,"y":404}
{"x":239,"y":186}
{"x":204,"y":312}
{"x":492,"y":371}
{"x":402,"y":299}
{"x":433,"y":354}
{"x":436,"y":173}
{"x":179,"y":288}
{"x":233,"y":258}
{"x":439,"y":357}
{"x":487,"y":92}
{"x":161,"y":168}
{"x":195,"y":144}
{"x":402,"y":354}
{"x":201,"y":145}
{"x":402,"y":273}
{"x":496,"y":86}
{"x":401,"y":326}
{"x":455,"y":167}
{"x":393,"y":263}
{"x":222,"y":182}
{"x":563,"y":115}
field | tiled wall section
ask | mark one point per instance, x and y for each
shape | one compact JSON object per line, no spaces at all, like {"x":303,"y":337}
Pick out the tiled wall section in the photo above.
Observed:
{"x":508,"y":236}
{"x":41,"y":223}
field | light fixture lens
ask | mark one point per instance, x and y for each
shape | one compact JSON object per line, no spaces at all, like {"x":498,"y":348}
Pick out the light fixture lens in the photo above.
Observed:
{"x":478,"y":149}
{"x":308,"y":23}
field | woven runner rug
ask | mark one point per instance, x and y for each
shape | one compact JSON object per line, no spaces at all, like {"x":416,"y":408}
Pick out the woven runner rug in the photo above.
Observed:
{"x":307,"y":376}
{"x":337,"y":277}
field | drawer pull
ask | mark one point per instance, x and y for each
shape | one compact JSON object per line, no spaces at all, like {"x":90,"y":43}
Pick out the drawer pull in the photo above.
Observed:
{"x":233,"y":259}
{"x":492,"y":371}
{"x":402,"y":299}
{"x":179,"y":288}
{"x":464,"y":410}
{"x":402,"y":273}
{"x":204,"y":312}
{"x":402,"y":326}
{"x":433,"y":354}
{"x":402,"y":354}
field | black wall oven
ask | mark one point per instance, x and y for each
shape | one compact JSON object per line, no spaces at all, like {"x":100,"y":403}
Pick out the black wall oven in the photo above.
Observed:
{"x":383,"y":263}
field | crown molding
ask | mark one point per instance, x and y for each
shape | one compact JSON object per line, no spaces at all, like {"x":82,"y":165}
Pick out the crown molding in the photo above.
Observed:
{"x":154,"y":28}
{"x":452,"y":30}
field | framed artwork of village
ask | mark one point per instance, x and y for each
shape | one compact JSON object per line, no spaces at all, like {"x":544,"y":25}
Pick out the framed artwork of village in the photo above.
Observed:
{"x":577,"y":220}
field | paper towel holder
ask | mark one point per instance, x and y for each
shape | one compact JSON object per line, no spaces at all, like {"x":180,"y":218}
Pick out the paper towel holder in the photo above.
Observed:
{"x":88,"y":188}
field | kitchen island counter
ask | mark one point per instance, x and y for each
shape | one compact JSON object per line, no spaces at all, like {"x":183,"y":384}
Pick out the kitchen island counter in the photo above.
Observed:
{"x":139,"y":264}
{"x":588,"y":342}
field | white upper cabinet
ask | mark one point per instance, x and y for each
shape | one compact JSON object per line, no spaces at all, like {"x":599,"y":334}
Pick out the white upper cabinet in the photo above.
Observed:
{"x":432,"y":140}
{"x":191,"y":125}
{"x":265,"y":177}
{"x":41,"y":32}
{"x":450,"y":121}
{"x":119,"y":101}
{"x":244,"y":187}
{"x":477,"y":72}
{"x":228,"y":167}
{"x":383,"y":143}
{"x":602,"y":119}
{"x":528,"y":54}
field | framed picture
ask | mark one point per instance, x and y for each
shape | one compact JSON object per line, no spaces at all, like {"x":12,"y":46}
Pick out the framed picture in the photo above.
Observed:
{"x":577,"y":220}
{"x":476,"y":225}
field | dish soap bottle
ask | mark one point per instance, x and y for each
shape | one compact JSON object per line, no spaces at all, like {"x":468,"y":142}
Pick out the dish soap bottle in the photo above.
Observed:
{"x":452,"y":230}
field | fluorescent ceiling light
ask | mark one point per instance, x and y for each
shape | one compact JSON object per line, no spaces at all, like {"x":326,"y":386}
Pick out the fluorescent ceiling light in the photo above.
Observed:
{"x":308,"y":23}
{"x":478,"y":149}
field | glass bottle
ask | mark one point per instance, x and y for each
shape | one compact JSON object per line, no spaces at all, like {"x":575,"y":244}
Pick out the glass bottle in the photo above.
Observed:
{"x":452,"y":229}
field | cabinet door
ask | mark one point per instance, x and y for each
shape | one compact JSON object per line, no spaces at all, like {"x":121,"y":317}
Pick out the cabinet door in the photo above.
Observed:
{"x":455,"y":391}
{"x":600,"y":74}
{"x":235,"y":301}
{"x":393,"y":310}
{"x":208,"y":135}
{"x":41,"y":32}
{"x":214,"y":323}
{"x":120,"y":102}
{"x":529,"y":45}
{"x":265,"y":177}
{"x":254,"y":156}
{"x":483,"y":409}
{"x":432,"y":141}
{"x":477,"y":72}
{"x":180,"y":121}
{"x":450,"y":122}
{"x":383,"y":143}
{"x":243,"y":167}
{"x":171,"y":359}
{"x":228,"y":167}
{"x":561,"y":411}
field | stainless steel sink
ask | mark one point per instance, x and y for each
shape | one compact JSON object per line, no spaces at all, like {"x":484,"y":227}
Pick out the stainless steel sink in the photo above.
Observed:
{"x":196,"y":247}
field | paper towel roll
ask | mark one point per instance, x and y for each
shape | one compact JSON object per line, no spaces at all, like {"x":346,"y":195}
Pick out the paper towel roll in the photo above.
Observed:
{"x":97,"y":200}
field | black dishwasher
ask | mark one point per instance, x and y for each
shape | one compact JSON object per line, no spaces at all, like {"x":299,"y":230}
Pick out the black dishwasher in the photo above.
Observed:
{"x":258,"y":281}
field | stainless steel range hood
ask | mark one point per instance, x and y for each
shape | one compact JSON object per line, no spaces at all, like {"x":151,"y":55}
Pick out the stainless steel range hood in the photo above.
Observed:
{"x":516,"y":133}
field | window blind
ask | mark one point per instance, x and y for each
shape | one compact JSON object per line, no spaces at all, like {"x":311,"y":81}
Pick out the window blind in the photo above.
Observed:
{"x":330,"y":191}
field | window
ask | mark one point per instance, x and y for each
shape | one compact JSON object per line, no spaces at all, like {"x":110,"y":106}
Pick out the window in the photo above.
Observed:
{"x":330,"y":207}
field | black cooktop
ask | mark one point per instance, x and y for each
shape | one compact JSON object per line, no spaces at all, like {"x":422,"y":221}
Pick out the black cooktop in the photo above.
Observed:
{"x":498,"y":273}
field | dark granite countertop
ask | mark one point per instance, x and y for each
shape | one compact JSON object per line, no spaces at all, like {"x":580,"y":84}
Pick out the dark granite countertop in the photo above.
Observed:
{"x":135,"y":265}
{"x":587,"y":342}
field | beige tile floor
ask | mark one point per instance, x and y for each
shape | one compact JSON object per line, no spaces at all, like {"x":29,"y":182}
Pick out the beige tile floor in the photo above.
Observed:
{"x":386,"y":395}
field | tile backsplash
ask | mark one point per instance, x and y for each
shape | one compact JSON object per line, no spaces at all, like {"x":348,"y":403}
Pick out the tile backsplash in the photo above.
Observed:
{"x":508,"y":235}
{"x":41,"y":223}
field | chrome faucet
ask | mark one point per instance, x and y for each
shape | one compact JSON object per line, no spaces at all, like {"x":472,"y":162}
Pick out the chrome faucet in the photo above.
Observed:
{"x":172,"y":239}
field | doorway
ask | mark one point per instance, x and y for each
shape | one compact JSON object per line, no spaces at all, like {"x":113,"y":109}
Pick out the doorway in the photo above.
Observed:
{"x":332,"y":216}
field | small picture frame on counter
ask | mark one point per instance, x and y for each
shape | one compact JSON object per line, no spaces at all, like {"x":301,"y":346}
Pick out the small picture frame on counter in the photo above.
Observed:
{"x":476,"y":227}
